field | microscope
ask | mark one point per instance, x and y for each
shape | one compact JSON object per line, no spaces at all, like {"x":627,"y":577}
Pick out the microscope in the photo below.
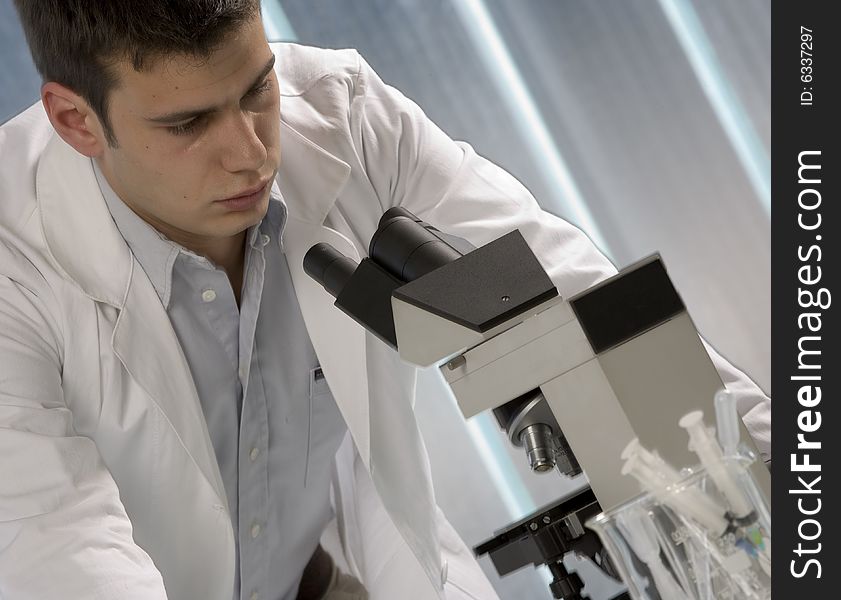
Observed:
{"x":570,"y":380}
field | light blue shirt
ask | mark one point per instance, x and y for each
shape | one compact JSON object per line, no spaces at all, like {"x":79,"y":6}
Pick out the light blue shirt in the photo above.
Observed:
{"x":272,"y":419}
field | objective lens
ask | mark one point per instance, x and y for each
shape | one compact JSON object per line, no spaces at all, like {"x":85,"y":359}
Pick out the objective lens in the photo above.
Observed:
{"x":540,"y":449}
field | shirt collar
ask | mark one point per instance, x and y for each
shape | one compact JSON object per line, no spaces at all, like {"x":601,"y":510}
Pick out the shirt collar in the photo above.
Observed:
{"x":157,"y":254}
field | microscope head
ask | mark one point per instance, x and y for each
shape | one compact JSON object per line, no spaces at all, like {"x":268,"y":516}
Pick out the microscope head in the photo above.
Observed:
{"x":432,"y":297}
{"x":571,"y":381}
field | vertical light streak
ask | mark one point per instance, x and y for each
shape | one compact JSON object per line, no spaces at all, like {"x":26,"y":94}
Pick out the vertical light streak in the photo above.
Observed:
{"x":721,"y":96}
{"x":523,"y":109}
{"x":277,"y":26}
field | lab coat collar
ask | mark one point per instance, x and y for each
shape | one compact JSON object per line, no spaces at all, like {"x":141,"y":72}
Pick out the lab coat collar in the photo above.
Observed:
{"x":80,"y":234}
{"x":309,"y":197}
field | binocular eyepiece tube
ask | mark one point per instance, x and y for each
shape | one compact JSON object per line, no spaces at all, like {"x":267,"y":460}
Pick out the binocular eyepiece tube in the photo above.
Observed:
{"x":329,"y":267}
{"x":407,"y":247}
{"x":403,"y":245}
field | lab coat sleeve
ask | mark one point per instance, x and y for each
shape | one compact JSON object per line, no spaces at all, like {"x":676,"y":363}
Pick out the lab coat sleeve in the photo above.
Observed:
{"x":63,"y":531}
{"x":412,"y":163}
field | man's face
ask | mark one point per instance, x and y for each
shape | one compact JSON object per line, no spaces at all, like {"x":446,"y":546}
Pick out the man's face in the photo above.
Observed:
{"x":192,"y":133}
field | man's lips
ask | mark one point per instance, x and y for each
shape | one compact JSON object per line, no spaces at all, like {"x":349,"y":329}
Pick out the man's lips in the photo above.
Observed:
{"x":245,"y":193}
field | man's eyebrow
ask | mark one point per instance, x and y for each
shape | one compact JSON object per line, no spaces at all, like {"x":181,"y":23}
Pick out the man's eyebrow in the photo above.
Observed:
{"x":186,"y":115}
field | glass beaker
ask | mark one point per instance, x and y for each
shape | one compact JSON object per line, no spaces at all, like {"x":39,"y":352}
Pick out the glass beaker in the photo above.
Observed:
{"x":662,"y":552}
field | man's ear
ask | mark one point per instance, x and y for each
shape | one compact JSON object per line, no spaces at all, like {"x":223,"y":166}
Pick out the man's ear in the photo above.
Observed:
{"x":73,"y":119}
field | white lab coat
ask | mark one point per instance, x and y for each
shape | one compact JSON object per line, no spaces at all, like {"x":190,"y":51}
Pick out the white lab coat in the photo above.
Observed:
{"x":109,"y":486}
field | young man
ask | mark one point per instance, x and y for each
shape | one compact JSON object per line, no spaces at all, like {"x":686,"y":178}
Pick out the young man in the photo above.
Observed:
{"x":165,"y":428}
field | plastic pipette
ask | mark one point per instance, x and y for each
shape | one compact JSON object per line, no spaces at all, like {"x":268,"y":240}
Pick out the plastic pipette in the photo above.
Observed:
{"x":642,"y":537}
{"x":727,"y":422}
{"x":707,"y":449}
{"x":661,"y":480}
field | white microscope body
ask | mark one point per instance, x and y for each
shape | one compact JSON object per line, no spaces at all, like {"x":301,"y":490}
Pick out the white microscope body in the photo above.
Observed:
{"x":571,"y":380}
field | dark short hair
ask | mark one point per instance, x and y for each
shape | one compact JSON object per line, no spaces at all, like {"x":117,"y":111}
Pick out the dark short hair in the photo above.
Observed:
{"x":76,"y":42}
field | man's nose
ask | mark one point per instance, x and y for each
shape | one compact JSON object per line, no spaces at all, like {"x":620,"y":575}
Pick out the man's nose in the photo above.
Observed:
{"x":242,"y":149}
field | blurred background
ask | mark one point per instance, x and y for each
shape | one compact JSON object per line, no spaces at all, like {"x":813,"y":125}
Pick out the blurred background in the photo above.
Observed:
{"x":644,"y":122}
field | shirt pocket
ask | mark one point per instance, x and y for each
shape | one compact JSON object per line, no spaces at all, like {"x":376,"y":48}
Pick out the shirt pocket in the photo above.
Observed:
{"x":325,"y":430}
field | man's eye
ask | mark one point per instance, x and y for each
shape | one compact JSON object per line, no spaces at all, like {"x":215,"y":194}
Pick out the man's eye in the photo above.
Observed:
{"x":260,"y":89}
{"x":185,"y":128}
{"x":193,"y":125}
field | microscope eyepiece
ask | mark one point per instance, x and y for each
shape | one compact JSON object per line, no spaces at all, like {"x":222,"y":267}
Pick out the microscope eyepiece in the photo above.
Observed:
{"x":406,"y":248}
{"x":329,"y":267}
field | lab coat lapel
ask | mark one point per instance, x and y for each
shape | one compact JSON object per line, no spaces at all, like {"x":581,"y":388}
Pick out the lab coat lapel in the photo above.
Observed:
{"x":372,"y":387}
{"x":339,"y":341}
{"x":362,"y":375}
{"x":310,"y":180}
{"x":146,"y":344}
{"x":85,"y":244}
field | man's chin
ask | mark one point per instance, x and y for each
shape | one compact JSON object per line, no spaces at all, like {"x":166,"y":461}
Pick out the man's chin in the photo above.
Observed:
{"x":234,"y":222}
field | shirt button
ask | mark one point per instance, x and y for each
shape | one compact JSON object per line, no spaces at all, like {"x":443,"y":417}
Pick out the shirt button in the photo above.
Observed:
{"x":253,"y":596}
{"x":253,"y":454}
{"x":265,"y":239}
{"x":242,"y":372}
{"x":208,"y":295}
{"x":255,"y":531}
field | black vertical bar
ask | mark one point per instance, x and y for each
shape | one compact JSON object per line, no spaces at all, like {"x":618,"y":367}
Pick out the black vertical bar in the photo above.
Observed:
{"x":806,"y":58}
